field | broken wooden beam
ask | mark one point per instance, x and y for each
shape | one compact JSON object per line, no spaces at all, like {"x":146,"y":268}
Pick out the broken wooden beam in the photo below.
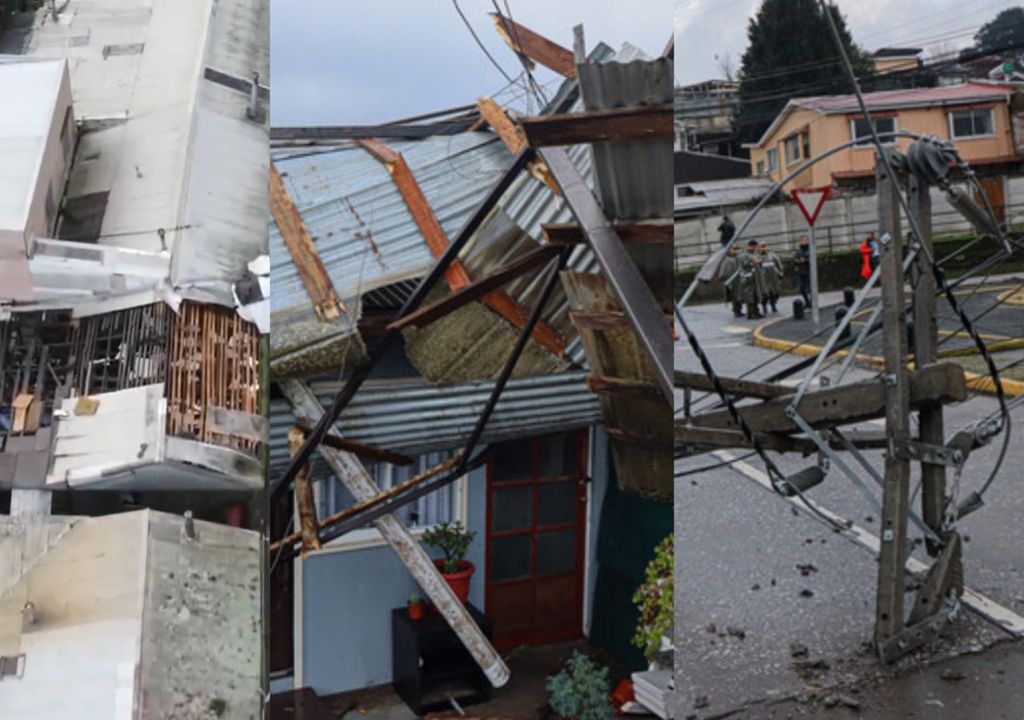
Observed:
{"x":512,"y":135}
{"x":646,"y":232}
{"x":477,"y":289}
{"x":360,"y":449}
{"x":301,"y":247}
{"x":436,"y":239}
{"x":356,"y":508}
{"x":643,"y":441}
{"x":304,"y":501}
{"x":844,"y":404}
{"x":640,"y":122}
{"x":599,"y":319}
{"x":733,"y":386}
{"x":535,"y":47}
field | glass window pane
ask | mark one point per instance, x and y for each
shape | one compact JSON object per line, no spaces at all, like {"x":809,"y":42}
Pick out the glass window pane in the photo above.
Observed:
{"x":510,"y":557}
{"x":556,"y":552}
{"x":983,"y":122}
{"x":512,"y":461}
{"x":559,"y":455}
{"x":556,"y":503}
{"x":512,"y":508}
{"x":962,"y":125}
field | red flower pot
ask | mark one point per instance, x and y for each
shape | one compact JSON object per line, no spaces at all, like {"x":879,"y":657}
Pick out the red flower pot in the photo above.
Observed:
{"x":459,"y":581}
{"x":415,"y":611}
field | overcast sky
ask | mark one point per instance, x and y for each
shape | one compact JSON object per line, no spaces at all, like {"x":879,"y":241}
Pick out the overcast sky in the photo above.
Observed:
{"x":709,"y":28}
{"x":351,"y":62}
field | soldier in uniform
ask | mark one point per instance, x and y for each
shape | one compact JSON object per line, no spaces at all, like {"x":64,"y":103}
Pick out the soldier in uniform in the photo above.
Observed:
{"x":750,"y":280}
{"x":728,"y":276}
{"x":772,"y":273}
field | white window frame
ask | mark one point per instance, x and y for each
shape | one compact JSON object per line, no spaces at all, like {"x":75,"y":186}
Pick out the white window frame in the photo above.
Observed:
{"x":772,"y":158}
{"x":363,"y":538}
{"x":867,"y":143}
{"x":795,"y":140}
{"x":992,"y":123}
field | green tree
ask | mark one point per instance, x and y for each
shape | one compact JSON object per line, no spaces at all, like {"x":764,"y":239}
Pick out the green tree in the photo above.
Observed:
{"x":790,"y":53}
{"x":1004,"y":31}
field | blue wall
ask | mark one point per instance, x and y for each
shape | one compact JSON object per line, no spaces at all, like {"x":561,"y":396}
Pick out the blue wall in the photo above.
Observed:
{"x":347,"y":602}
{"x":348,"y":596}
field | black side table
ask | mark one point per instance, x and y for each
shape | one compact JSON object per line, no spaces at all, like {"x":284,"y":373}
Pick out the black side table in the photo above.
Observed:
{"x":429,"y":663}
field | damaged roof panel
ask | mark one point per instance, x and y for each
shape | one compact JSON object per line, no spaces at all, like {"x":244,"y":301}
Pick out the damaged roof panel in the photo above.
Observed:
{"x":416,"y":417}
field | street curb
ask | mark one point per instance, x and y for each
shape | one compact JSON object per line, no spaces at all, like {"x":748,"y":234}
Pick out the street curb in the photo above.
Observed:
{"x":975,"y":381}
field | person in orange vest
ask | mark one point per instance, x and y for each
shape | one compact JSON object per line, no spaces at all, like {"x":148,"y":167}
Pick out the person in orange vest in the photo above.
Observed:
{"x":866,"y":252}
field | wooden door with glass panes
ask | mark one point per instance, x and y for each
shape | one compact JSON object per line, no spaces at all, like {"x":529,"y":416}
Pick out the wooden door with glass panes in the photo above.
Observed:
{"x":536,"y":536}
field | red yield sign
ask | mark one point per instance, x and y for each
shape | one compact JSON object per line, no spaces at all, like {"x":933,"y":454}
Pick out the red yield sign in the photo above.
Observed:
{"x":811,"y":201}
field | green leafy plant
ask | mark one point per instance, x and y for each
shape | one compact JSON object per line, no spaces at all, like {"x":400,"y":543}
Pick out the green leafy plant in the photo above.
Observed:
{"x":580,"y":690}
{"x":654,"y":600}
{"x":453,"y":540}
{"x":414,"y":598}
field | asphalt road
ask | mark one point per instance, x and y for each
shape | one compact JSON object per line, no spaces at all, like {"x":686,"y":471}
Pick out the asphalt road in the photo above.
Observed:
{"x":770,"y":602}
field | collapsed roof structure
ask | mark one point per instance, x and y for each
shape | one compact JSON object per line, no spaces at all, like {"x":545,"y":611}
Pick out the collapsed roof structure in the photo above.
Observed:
{"x":553,"y":236}
{"x":133,"y":280}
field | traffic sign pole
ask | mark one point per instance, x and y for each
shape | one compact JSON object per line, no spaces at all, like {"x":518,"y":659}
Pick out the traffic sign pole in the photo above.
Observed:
{"x":817,"y":198}
{"x":815,"y":315}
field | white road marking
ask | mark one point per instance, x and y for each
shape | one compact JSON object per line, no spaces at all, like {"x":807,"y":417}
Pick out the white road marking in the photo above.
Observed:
{"x":737,"y":330}
{"x":980,"y":604}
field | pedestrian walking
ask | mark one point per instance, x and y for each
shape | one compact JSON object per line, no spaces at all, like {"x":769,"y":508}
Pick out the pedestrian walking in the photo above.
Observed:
{"x":726,"y":230}
{"x":875,"y":257}
{"x":772,"y":274}
{"x":803,"y":269}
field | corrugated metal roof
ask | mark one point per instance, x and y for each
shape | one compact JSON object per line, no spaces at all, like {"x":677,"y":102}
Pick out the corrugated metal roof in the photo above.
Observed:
{"x":634,"y":178}
{"x":415,"y":417}
{"x":710,"y":194}
{"x":890,"y":99}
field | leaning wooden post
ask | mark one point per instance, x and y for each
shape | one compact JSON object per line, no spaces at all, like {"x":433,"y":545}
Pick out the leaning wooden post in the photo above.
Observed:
{"x":304,"y":495}
{"x":933,"y":475}
{"x":896,"y":490}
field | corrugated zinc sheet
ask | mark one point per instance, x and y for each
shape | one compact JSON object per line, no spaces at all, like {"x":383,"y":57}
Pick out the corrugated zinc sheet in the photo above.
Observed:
{"x":416,"y":417}
{"x":634,"y":178}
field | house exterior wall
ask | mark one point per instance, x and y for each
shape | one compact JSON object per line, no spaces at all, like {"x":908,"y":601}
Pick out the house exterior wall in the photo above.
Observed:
{"x":827,"y":131}
{"x":346,"y":595}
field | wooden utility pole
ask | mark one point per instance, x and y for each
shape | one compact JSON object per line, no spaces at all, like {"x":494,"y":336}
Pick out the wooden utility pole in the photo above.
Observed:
{"x":896,"y":489}
{"x":933,"y":476}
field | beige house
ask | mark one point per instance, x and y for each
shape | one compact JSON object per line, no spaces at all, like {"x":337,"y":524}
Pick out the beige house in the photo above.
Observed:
{"x":977,"y":116}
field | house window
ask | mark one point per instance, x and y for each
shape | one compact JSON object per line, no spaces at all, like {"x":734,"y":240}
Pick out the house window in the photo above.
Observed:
{"x":773,"y":160}
{"x":791,"y":146}
{"x":861,"y":133}
{"x":805,"y":141}
{"x":971,"y":123}
{"x":445,"y":504}
{"x":760,"y":167}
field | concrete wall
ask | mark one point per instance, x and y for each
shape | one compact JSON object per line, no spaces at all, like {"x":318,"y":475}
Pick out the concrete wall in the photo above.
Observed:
{"x":347,"y":595}
{"x":842,"y":224}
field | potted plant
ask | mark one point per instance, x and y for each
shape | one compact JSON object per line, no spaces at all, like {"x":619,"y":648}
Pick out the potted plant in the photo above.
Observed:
{"x":453,"y":540}
{"x":415,"y":607}
{"x":580,"y":690}
{"x":655,"y":602}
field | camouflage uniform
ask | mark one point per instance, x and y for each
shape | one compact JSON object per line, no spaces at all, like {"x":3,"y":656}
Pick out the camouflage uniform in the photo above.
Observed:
{"x":727,"y":275}
{"x":771,"y":274}
{"x":749,"y":283}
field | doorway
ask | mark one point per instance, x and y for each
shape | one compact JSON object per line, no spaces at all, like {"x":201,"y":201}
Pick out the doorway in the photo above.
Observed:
{"x":536,"y":539}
